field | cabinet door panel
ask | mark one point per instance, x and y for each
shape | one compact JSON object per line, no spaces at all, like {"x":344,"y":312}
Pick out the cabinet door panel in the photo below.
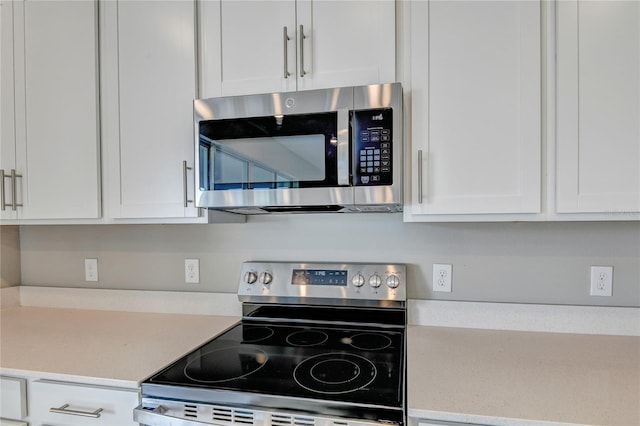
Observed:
{"x":13,"y":398}
{"x":253,"y":46}
{"x":57,"y":109}
{"x":476,"y":107}
{"x":156,"y":69}
{"x":598,"y":127}
{"x":7,"y":124}
{"x":347,"y":43}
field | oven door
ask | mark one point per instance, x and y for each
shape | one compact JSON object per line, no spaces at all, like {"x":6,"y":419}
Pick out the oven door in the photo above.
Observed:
{"x":295,"y":154}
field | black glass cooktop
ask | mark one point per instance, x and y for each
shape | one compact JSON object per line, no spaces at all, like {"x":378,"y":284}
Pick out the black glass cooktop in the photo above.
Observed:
{"x":361,"y":365}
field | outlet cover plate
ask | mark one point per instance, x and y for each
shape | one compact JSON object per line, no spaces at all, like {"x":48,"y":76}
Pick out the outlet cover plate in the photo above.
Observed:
{"x":91,"y":269}
{"x":442,"y":277}
{"x":601,"y":281}
{"x":192,"y":271}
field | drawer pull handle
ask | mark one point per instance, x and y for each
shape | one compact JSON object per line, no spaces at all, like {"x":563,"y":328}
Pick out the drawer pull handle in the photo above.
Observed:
{"x":64,"y":410}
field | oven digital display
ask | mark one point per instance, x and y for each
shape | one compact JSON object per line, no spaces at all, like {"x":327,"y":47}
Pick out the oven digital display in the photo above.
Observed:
{"x":327,"y":277}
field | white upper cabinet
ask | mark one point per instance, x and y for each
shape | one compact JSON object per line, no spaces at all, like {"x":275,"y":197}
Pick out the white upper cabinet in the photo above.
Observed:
{"x":272,"y":46}
{"x":598,"y":108}
{"x":473,"y":85}
{"x":7,"y":119}
{"x":149,"y":80}
{"x":54,"y":143}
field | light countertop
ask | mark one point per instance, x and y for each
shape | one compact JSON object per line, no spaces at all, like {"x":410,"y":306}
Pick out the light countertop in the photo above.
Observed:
{"x":110,"y":348}
{"x":523,"y":378}
{"x":494,"y":377}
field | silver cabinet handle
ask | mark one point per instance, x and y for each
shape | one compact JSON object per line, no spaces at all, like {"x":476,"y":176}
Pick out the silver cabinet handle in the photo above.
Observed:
{"x":302,"y":38}
{"x":285,"y":39}
{"x":419,"y":176}
{"x":14,"y":190}
{"x":3,"y":200}
{"x":65,"y":410}
{"x":184,"y":183}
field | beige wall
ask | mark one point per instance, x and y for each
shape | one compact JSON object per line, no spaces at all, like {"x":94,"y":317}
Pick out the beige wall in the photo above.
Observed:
{"x":9,"y":256}
{"x":503,"y":262}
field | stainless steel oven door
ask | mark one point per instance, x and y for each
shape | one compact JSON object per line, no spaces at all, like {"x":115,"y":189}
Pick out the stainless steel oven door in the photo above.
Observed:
{"x":157,"y":417}
{"x":175,"y":413}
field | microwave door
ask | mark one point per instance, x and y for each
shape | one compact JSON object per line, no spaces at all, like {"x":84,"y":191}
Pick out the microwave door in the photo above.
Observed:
{"x":275,"y":160}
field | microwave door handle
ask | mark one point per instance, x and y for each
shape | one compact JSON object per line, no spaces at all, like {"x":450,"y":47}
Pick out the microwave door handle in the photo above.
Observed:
{"x":343,"y":163}
{"x":343,"y":148}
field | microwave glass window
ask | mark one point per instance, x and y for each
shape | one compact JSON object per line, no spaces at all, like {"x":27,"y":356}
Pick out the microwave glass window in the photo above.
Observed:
{"x":263,"y":161}
{"x":294,"y":151}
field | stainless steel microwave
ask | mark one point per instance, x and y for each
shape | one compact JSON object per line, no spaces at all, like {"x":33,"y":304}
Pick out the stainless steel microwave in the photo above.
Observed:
{"x":329,"y":150}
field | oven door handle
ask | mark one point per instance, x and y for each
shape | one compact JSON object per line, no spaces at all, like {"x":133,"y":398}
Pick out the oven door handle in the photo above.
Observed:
{"x":156,"y":417}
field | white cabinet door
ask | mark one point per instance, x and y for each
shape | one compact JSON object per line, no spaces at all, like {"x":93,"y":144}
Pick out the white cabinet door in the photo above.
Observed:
{"x":7,"y":120}
{"x":598,"y":101}
{"x":346,"y":43}
{"x":13,"y":398}
{"x":272,"y":46}
{"x":248,"y":47}
{"x":56,"y":109}
{"x":475,"y":99}
{"x":149,"y":68}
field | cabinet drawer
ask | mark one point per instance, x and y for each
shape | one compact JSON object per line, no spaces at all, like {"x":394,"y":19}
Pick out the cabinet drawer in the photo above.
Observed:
{"x":101,"y":405}
{"x":13,"y":398}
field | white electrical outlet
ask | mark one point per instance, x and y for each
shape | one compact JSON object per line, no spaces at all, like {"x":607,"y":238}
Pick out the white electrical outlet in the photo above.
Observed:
{"x":192,"y":271}
{"x":601,"y":280}
{"x":91,"y":269}
{"x":442,"y":277}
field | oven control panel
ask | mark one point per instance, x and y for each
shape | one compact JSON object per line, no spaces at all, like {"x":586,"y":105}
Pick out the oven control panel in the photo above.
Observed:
{"x":335,"y":281}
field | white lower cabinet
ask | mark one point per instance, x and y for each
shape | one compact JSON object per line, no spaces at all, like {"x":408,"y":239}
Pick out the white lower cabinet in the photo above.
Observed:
{"x":41,"y":402}
{"x":67,"y":404}
{"x":13,"y":400}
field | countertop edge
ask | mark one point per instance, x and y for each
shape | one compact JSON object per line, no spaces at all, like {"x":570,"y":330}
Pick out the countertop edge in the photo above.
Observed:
{"x":442,"y":416}
{"x":131,"y":385}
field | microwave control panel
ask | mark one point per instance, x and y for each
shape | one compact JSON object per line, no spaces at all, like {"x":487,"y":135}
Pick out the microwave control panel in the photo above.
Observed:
{"x":372,"y":137}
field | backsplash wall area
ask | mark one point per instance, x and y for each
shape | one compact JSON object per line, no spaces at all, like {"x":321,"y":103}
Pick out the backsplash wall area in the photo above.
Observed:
{"x":9,"y":256}
{"x":545,"y":263}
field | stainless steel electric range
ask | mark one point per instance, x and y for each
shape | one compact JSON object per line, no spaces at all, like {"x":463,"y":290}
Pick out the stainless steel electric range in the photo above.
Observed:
{"x":319,"y":344}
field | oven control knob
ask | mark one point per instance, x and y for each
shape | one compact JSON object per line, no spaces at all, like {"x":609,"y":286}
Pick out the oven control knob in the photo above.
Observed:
{"x":393,"y":281}
{"x":357,"y":280}
{"x":266,"y":278}
{"x":250,"y":277}
{"x":375,"y":280}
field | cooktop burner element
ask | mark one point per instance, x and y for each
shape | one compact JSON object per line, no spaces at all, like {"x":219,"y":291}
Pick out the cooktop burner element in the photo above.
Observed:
{"x":226,"y":364}
{"x":370,"y":341}
{"x":335,"y":373}
{"x":256,"y":334}
{"x":307,"y":338}
{"x":323,"y":342}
